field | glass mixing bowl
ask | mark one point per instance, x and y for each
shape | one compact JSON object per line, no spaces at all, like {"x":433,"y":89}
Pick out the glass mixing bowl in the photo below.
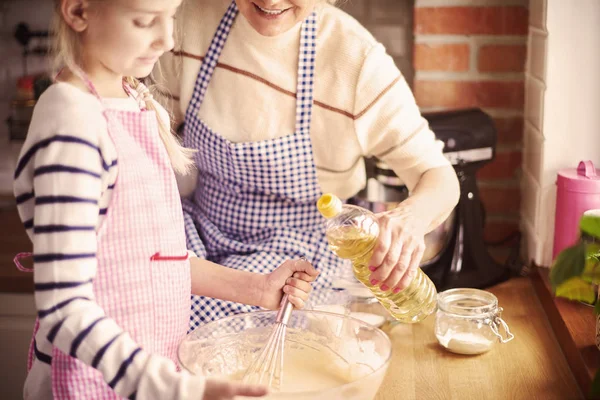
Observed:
{"x":318,"y":345}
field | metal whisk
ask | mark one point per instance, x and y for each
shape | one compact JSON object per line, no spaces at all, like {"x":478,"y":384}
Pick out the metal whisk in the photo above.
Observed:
{"x":267,"y":368}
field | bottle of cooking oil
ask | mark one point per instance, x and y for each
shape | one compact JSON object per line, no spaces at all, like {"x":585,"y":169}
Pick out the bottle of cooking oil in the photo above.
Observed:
{"x":352,"y":232}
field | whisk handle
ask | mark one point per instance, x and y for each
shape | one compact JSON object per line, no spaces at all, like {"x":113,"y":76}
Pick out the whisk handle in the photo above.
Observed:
{"x":285,"y":310}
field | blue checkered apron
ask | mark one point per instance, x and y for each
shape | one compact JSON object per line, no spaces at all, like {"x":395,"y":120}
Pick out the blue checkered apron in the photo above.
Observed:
{"x":255,"y":202}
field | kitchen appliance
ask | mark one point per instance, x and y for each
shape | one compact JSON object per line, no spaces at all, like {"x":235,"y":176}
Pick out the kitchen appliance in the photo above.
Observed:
{"x":385,"y":191}
{"x":577,"y":190}
{"x":457,"y":255}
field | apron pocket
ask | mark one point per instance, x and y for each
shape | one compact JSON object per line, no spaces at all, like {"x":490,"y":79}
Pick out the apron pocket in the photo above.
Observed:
{"x":160,"y":257}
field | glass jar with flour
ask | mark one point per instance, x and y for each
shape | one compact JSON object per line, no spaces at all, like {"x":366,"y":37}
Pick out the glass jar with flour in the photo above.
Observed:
{"x":468,"y":321}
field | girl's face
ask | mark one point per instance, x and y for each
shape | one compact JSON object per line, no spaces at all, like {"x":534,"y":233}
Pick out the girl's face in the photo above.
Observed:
{"x":126,"y":37}
{"x":274,"y":17}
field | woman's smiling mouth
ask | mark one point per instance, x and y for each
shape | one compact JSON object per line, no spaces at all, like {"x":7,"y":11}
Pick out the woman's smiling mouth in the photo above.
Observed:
{"x":269,"y":13}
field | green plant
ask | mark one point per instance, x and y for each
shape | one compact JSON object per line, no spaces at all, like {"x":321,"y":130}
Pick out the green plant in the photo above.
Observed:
{"x":575,"y":274}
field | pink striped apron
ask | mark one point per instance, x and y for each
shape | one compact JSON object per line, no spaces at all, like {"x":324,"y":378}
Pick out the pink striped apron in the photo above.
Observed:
{"x":143,"y":275}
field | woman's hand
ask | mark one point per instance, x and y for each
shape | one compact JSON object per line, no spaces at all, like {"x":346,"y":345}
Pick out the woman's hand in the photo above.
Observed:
{"x":217,"y":389}
{"x":294,"y":277}
{"x":399,"y":248}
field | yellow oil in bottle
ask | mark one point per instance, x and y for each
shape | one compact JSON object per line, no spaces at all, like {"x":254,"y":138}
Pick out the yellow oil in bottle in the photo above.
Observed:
{"x":352,"y":232}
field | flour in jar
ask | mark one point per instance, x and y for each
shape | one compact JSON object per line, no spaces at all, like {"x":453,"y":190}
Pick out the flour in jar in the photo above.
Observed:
{"x":466,"y":342}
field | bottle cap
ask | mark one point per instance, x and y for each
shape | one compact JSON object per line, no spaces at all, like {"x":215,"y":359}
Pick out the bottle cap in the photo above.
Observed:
{"x":329,"y":205}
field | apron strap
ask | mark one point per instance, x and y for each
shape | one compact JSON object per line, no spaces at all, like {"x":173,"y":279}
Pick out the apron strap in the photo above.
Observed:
{"x":306,"y":73}
{"x":306,"y":67}
{"x":212,"y":56}
{"x":85,"y":79}
{"x":142,"y":93}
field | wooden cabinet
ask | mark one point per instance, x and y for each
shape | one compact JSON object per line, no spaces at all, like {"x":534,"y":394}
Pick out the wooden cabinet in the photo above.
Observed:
{"x":13,"y":240}
{"x":17,"y":317}
{"x":17,"y":307}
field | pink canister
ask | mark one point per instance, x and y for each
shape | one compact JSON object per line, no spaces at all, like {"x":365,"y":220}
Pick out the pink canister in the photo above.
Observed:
{"x":577,"y":190}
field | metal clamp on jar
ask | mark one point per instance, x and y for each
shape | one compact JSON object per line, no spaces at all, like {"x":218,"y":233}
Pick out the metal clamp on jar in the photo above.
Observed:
{"x":468,"y":321}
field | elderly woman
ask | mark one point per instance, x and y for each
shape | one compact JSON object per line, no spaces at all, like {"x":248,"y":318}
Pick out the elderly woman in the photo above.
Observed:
{"x":283,"y":99}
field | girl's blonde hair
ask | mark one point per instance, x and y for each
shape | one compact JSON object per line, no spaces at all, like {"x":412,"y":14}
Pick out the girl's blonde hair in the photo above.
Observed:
{"x":66,"y":52}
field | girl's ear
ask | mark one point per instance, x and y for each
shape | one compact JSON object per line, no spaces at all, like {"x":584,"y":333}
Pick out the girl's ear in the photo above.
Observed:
{"x":75,"y":14}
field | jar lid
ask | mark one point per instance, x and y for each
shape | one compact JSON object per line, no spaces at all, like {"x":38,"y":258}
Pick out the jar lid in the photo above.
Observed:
{"x":467,"y":302}
{"x":583,"y":179}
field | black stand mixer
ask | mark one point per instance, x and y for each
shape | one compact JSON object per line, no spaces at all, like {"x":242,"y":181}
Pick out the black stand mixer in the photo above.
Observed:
{"x":460,"y":257}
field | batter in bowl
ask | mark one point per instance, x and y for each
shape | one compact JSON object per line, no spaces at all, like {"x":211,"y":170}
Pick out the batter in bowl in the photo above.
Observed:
{"x":326,"y":356}
{"x":320,"y":369}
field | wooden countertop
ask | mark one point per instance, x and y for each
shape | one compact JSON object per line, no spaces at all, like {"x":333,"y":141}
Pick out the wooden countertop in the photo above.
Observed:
{"x":531,"y":366}
{"x":574,"y":324}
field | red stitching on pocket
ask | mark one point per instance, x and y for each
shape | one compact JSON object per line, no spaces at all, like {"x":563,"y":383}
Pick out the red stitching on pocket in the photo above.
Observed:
{"x":158,"y":257}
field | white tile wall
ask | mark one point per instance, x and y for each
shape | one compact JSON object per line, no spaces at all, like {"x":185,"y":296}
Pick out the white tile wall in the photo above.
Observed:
{"x":536,"y":61}
{"x":562,"y":103}
{"x":530,"y":241}
{"x":533,"y":138}
{"x":533,"y":145}
{"x":535,"y":86}
{"x":545,"y":225}
{"x":530,"y":199}
{"x":537,"y":14}
{"x":534,"y":101}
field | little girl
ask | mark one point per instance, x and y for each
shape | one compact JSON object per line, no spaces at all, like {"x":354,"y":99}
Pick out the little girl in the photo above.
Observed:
{"x":96,"y":192}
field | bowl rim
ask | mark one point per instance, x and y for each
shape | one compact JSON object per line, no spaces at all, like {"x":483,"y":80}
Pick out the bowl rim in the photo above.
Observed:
{"x":380,"y":332}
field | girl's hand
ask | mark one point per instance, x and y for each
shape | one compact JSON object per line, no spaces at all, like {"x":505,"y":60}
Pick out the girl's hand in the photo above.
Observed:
{"x":217,"y":389}
{"x":294,"y":277}
{"x":399,"y":249}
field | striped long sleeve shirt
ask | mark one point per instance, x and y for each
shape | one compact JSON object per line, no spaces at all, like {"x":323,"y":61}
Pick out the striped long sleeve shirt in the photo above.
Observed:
{"x":63,"y":184}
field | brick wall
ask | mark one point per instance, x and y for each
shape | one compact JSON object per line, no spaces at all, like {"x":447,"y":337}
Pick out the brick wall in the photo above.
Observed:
{"x":471,"y":53}
{"x":537,"y":237}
